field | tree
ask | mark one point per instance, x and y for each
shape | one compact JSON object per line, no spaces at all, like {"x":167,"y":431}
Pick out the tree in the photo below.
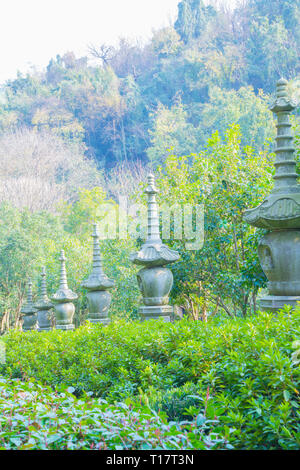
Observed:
{"x":39,"y":169}
{"x":242,"y":107}
{"x":171,"y":131}
{"x":271,"y":53}
{"x":193,"y":17}
{"x":166,"y":42}
{"x":227,"y":178}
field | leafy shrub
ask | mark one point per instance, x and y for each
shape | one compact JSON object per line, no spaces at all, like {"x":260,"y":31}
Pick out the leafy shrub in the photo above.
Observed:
{"x":34,"y":417}
{"x":241,"y":369}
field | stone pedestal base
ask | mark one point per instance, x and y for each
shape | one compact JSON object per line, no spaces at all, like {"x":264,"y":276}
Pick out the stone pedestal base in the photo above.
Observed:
{"x":273,"y":303}
{"x":97,"y":321}
{"x":41,"y":329}
{"x":65,"y":327}
{"x":29,"y":329}
{"x":156,"y":312}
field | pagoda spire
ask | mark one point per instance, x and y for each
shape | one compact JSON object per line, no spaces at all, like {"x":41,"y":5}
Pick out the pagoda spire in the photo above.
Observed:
{"x":153,"y":252}
{"x":97,"y":258}
{"x":153,"y":216}
{"x":285,"y":165}
{"x":43,"y":305}
{"x":63,"y":273}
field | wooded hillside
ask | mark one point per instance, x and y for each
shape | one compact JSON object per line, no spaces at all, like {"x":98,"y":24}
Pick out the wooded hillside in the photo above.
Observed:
{"x":212,"y":68}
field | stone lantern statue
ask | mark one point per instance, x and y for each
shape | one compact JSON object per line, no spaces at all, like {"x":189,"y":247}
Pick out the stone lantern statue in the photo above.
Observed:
{"x":44,"y":306}
{"x":62,"y":299}
{"x":28,"y":311}
{"x":97,"y":284}
{"x":279,"y":249}
{"x":154,"y":279}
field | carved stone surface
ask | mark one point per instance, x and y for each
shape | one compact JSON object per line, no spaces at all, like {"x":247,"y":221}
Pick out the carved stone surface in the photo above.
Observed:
{"x":275,"y":249}
{"x":28,"y":311}
{"x":44,"y":306}
{"x":154,"y":279}
{"x":279,"y":250}
{"x":97,"y":285}
{"x":62,"y":299}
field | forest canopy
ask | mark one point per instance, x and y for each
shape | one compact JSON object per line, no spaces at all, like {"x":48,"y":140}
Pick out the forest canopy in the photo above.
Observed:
{"x":213,"y":68}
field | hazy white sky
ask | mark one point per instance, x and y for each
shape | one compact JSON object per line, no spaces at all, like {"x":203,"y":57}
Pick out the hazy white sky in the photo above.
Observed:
{"x":33,"y":31}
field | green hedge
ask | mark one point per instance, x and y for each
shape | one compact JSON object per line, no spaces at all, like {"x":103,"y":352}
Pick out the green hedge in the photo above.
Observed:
{"x":237,"y":370}
{"x":35,"y":417}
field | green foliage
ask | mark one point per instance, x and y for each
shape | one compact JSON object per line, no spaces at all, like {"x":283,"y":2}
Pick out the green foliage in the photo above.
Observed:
{"x":170,"y":131}
{"x":243,"y":108}
{"x":236,"y":371}
{"x":35,"y":418}
{"x":32,"y":240}
{"x":193,"y":17}
{"x":226,"y":179}
{"x":211,"y":60}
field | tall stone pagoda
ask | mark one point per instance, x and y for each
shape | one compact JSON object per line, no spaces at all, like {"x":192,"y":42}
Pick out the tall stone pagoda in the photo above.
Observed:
{"x":28,"y":311}
{"x":279,"y":249}
{"x":154,"y":279}
{"x":97,"y":285}
{"x":43,"y":306}
{"x":62,"y":299}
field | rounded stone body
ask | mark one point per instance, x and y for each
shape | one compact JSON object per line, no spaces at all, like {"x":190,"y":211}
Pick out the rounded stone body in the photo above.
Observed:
{"x":44,"y":319}
{"x":29,"y":322}
{"x":279,"y":254}
{"x":155,"y":285}
{"x":99,"y":303}
{"x":64,"y":313}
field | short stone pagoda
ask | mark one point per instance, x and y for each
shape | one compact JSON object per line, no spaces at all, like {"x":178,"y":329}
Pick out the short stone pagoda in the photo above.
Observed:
{"x":44,"y":306}
{"x":279,"y":250}
{"x":97,"y":285}
{"x":154,"y":279}
{"x":28,"y":311}
{"x":62,"y":299}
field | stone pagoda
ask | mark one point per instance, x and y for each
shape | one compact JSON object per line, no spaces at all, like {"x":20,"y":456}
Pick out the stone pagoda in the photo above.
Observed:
{"x":44,"y":306}
{"x":62,"y":299}
{"x":28,"y":311}
{"x":279,"y":249}
{"x":154,"y":279}
{"x":97,"y":285}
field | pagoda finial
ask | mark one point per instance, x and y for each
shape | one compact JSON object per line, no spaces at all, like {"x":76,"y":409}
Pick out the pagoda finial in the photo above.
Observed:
{"x":43,"y":305}
{"x":43,"y":298}
{"x":154,"y":279}
{"x":64,"y":293}
{"x":153,"y":252}
{"x":97,"y":258}
{"x":43,"y":285}
{"x":29,"y":292}
{"x":97,"y":280}
{"x":63,"y":274}
{"x":285,"y":165}
{"x":153,"y":216}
